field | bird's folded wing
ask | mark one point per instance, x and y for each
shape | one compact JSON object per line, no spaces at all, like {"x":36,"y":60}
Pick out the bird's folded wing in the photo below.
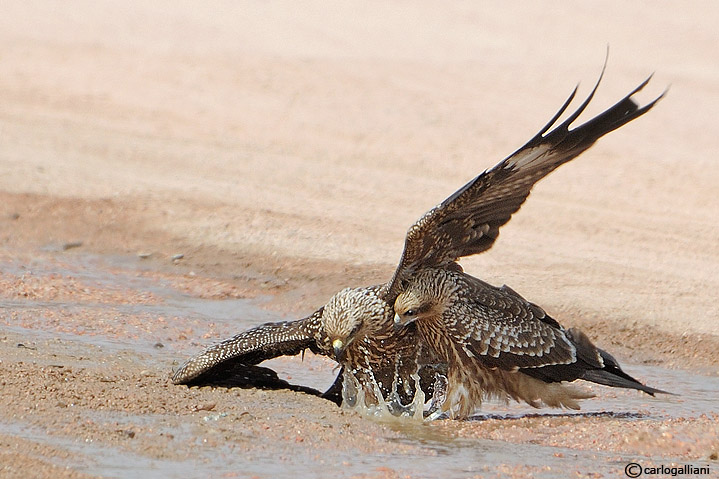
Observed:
{"x":286,"y":338}
{"x":468,"y":221}
{"x":510,"y":333}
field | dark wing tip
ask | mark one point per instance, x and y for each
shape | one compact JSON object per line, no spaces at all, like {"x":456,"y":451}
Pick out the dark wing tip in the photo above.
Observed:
{"x":613,"y":375}
{"x":539,"y":137}
{"x":269,"y":340}
{"x":620,"y":379}
{"x":621,"y":113}
{"x":491,"y":198}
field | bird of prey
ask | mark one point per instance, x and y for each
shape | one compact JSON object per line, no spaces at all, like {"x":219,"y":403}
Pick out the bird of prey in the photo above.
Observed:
{"x":380,"y":365}
{"x":499,"y":345}
{"x":432,"y":318}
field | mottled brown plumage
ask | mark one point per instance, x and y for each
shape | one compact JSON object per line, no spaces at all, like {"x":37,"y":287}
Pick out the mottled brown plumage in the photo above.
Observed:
{"x":490,"y":340}
{"x":468,"y":221}
{"x":499,"y":345}
{"x":355,"y":327}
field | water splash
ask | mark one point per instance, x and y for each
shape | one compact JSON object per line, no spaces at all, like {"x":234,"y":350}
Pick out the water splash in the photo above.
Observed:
{"x":368,"y":400}
{"x":367,"y":397}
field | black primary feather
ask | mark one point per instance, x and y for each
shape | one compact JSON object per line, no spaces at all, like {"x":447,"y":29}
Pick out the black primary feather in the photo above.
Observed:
{"x":468,"y":221}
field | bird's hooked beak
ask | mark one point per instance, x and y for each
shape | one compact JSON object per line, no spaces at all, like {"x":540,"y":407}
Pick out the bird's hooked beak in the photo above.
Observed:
{"x":400,"y":323}
{"x":339,"y":347}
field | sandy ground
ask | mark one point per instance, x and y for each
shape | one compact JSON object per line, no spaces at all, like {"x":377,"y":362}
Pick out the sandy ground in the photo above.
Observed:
{"x":284,"y":149}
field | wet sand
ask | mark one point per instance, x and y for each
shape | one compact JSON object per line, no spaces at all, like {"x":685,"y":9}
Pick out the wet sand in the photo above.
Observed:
{"x":88,"y":343}
{"x":283,"y":152}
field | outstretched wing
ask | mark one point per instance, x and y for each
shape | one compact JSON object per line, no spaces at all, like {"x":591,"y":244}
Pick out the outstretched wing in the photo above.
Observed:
{"x":251,"y":347}
{"x":468,"y":222}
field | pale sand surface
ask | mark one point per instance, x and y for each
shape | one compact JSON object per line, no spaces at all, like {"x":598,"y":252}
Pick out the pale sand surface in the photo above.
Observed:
{"x":285,"y":148}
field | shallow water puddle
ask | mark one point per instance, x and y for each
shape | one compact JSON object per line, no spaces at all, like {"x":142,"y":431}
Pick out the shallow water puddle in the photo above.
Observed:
{"x":695,"y":395}
{"x":101,"y":460}
{"x":437,"y":458}
{"x":150,"y":329}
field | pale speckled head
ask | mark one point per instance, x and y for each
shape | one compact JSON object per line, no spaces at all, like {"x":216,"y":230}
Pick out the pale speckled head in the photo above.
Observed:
{"x":350,"y":315}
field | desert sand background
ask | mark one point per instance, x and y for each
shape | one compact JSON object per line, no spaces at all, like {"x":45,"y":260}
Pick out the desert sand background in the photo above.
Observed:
{"x":284,"y":148}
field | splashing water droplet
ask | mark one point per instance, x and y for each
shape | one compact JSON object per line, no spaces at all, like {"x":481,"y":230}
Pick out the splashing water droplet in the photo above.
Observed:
{"x":367,"y":397}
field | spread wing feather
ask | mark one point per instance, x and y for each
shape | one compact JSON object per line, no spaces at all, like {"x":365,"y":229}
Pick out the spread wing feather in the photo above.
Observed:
{"x":286,"y":338}
{"x":468,"y":221}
